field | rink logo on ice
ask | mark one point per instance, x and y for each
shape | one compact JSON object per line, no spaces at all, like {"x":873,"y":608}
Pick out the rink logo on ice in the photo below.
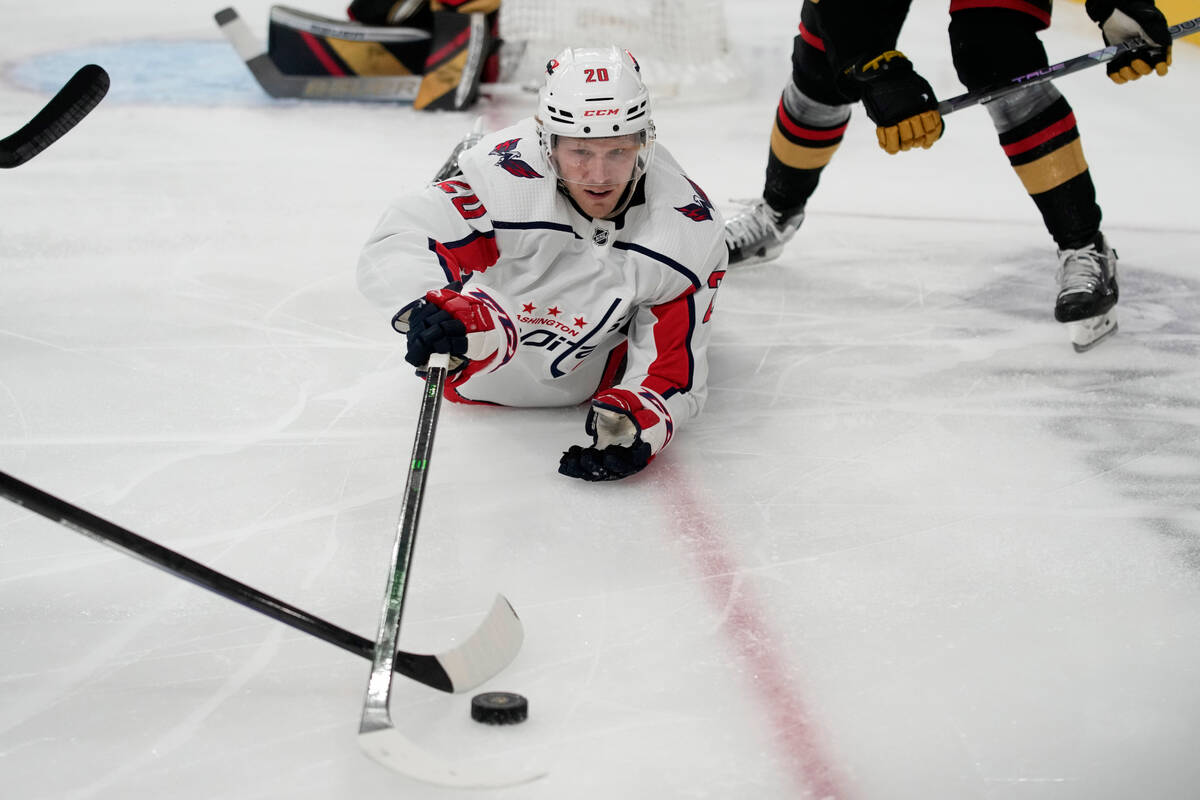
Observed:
{"x":156,"y":72}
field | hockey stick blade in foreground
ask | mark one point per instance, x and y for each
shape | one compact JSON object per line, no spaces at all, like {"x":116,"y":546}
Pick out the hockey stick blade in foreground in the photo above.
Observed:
{"x":74,"y":101}
{"x":275,"y":83}
{"x":487,"y":651}
{"x":377,"y":735}
{"x":1055,"y":71}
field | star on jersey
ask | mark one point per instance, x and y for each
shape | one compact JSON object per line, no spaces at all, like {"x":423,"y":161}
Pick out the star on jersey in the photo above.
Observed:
{"x":700,"y":209}
{"x":510,"y":160}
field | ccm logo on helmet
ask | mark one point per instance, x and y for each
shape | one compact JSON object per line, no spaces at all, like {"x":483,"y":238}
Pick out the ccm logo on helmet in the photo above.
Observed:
{"x":601,"y":112}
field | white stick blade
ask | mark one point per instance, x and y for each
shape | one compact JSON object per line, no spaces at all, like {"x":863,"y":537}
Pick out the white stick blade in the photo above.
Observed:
{"x":488,"y":650}
{"x":396,"y":752}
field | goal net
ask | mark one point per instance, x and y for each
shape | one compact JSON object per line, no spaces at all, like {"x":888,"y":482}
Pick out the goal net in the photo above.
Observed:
{"x":681,"y":45}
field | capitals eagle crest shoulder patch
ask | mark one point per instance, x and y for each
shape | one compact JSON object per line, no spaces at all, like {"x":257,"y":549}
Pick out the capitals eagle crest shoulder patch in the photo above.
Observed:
{"x":700,"y":209}
{"x":511,"y":161}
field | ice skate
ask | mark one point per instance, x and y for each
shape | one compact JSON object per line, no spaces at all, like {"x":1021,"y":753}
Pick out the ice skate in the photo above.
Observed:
{"x":1087,"y":293}
{"x":759,"y":233}
{"x":450,"y":169}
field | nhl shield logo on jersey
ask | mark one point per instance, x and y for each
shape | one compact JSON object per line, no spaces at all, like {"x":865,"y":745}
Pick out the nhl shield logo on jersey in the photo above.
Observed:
{"x":700,"y":209}
{"x":510,"y":160}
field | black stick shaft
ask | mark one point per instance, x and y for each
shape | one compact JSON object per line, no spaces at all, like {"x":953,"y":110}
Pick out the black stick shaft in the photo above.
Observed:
{"x":180,"y":566}
{"x":1055,"y":71}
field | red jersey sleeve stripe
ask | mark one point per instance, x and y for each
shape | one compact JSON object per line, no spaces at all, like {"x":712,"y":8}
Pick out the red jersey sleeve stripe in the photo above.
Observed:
{"x":673,"y":366}
{"x":459,"y":259}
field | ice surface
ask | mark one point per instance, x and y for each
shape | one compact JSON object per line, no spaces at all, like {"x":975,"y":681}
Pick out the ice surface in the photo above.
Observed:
{"x":915,"y":548}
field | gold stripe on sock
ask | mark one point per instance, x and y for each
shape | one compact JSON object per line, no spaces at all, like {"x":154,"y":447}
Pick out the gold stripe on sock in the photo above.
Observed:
{"x":800,"y":157}
{"x":1053,"y":169}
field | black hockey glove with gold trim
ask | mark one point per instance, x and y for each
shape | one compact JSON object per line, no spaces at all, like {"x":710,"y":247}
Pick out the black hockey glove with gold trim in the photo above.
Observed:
{"x":898,"y":100}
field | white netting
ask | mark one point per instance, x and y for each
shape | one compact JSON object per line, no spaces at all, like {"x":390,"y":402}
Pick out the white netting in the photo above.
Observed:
{"x":681,"y":45}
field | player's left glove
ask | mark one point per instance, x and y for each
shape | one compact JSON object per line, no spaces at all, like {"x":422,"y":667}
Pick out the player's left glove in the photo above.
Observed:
{"x":615,"y":421}
{"x":898,"y":100}
{"x":1139,"y":21}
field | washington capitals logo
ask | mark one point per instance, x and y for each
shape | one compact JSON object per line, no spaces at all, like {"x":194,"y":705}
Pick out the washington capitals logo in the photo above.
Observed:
{"x":510,"y":160}
{"x":700,"y":209}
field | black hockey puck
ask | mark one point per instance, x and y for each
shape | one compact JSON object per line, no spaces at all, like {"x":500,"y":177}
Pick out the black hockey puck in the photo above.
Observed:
{"x":499,"y":708}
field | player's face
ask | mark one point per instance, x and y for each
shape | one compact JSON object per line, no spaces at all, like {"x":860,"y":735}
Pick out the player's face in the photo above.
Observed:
{"x":596,"y":171}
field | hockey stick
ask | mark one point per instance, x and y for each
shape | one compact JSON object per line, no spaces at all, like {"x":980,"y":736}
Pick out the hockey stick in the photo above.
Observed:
{"x":1055,"y":71}
{"x":484,"y":653}
{"x":377,"y":736}
{"x":73,"y":102}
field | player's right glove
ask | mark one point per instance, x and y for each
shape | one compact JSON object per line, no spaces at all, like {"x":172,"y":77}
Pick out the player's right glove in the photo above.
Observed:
{"x":615,"y":421}
{"x":444,"y":321}
{"x":1133,"y":20}
{"x":898,"y":100}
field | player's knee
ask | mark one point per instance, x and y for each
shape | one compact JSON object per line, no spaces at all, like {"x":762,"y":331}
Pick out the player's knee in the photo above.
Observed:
{"x":992,"y":45}
{"x":812,"y":74}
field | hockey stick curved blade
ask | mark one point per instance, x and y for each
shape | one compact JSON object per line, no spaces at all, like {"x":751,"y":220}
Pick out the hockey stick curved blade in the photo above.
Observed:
{"x":485,"y":653}
{"x":394,"y":750}
{"x":74,"y":101}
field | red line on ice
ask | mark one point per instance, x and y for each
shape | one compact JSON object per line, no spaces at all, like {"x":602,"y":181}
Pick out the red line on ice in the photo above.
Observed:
{"x":746,"y":624}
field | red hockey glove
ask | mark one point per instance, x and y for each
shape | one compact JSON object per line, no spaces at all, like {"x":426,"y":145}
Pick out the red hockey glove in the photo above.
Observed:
{"x":898,"y":100}
{"x":445,"y":321}
{"x":1138,"y":21}
{"x":615,"y":421}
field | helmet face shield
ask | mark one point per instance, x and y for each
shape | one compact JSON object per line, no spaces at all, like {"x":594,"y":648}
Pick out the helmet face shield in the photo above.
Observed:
{"x":600,"y":161}
{"x":593,"y":117}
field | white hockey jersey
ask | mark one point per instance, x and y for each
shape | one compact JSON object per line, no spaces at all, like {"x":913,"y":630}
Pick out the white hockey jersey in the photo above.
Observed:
{"x":587,"y":304}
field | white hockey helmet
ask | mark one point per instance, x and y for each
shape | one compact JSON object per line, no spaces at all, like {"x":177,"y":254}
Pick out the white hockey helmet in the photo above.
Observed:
{"x":595,"y":93}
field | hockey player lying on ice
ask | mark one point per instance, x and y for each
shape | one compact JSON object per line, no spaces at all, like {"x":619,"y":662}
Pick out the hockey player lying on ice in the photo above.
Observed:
{"x":570,"y":261}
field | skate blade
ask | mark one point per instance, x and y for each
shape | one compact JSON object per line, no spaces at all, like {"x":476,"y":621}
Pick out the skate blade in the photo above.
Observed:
{"x":1087,"y":333}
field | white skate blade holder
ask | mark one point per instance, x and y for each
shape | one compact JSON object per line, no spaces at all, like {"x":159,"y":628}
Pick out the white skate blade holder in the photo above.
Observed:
{"x":1087,"y":333}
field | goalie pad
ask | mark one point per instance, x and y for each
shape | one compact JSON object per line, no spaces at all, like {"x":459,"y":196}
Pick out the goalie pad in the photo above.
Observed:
{"x":307,"y":44}
{"x":463,"y":52}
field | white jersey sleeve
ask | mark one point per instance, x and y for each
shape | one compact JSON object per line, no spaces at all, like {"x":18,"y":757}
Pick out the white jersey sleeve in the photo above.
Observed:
{"x":426,"y":240}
